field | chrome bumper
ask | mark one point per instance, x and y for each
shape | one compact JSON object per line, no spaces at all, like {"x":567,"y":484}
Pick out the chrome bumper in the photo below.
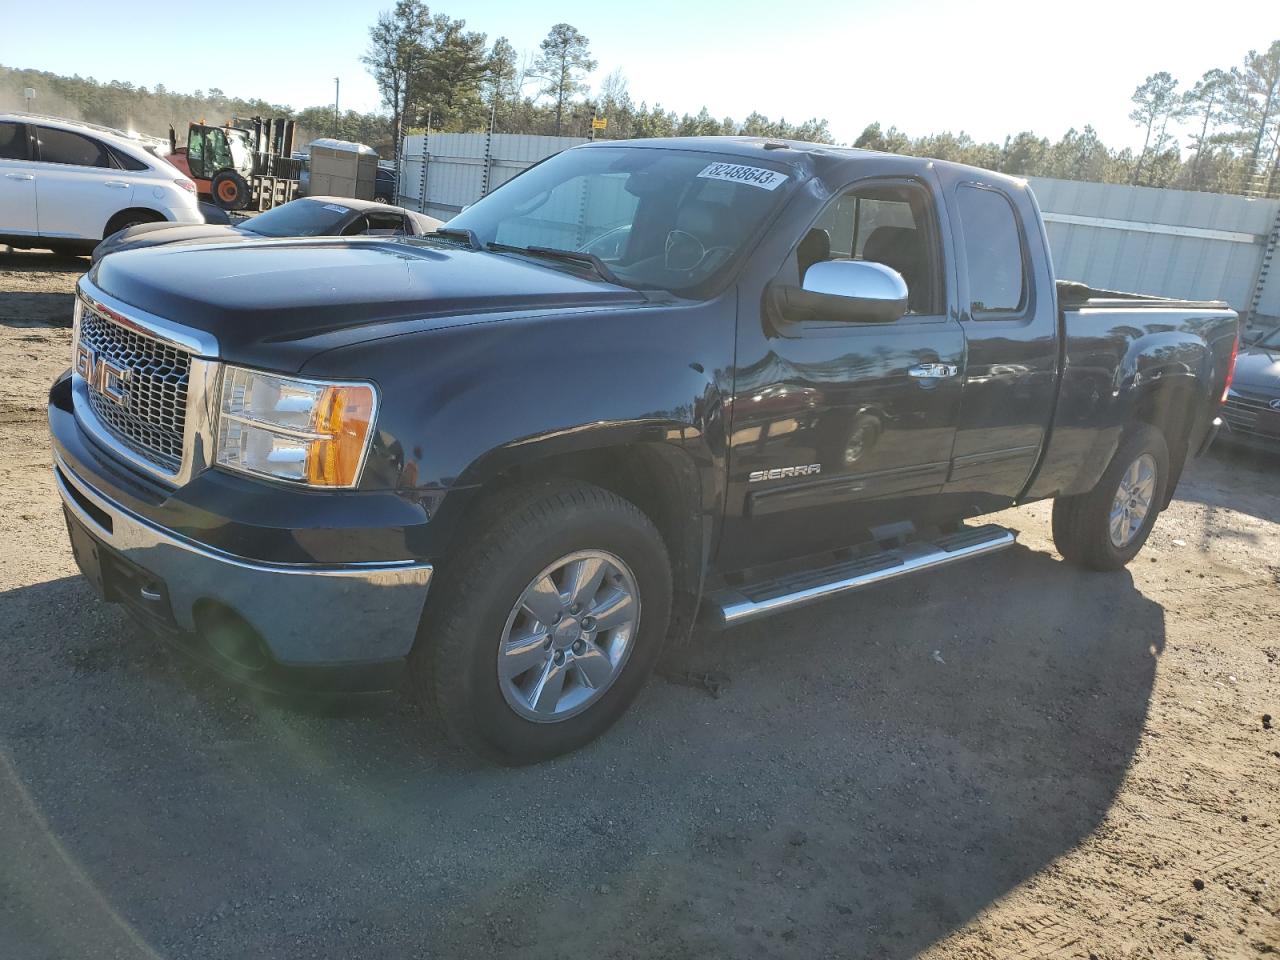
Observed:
{"x":305,"y":614}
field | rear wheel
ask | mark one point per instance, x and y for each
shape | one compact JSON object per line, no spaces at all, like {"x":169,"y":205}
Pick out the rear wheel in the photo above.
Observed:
{"x":230,"y":190}
{"x":129,"y":218}
{"x":545,"y":627}
{"x":1106,"y":527}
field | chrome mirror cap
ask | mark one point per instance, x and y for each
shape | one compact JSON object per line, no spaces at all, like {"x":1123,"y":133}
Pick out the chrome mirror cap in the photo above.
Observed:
{"x":856,"y":279}
{"x":847,"y":291}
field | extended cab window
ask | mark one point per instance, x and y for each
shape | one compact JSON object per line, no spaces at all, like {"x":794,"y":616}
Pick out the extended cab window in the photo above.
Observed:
{"x":13,"y":141}
{"x":884,"y":223}
{"x":993,"y":249}
{"x":63,"y":146}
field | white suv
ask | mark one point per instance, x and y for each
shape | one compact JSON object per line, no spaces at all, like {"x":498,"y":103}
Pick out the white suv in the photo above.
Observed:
{"x":66,"y":185}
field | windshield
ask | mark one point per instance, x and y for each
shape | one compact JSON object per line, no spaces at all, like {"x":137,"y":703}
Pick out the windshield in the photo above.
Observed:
{"x":299,"y":218}
{"x":1271,"y":340}
{"x":241,"y":152}
{"x":660,"y":219}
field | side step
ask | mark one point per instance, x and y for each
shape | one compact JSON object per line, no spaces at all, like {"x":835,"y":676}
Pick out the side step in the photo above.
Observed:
{"x":739,"y":604}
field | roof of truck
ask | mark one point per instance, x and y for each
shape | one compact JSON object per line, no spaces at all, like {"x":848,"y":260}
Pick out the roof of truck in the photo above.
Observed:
{"x":811,"y":157}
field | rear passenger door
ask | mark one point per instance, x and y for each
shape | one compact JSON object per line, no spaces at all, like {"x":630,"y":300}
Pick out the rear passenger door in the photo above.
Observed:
{"x":17,"y":181}
{"x":840,"y":431}
{"x":1009,"y":315}
{"x":78,"y":189}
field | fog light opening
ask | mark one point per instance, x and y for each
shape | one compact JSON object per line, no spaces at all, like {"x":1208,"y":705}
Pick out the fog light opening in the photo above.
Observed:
{"x":229,"y":635}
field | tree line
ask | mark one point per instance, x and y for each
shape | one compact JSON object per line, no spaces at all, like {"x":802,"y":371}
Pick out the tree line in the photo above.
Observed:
{"x":1230,"y":118}
{"x":434,"y":73}
{"x":430,"y":69}
{"x":152,"y":111}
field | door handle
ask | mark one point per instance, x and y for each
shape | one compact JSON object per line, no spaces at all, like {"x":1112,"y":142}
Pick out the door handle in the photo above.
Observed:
{"x":19,"y":176}
{"x":933,"y":371}
{"x":118,"y":184}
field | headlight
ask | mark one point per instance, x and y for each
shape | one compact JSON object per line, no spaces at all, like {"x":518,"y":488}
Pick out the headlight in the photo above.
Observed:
{"x":306,"y":431}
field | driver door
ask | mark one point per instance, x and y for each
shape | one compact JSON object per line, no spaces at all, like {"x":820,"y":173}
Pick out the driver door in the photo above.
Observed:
{"x":841,"y":432}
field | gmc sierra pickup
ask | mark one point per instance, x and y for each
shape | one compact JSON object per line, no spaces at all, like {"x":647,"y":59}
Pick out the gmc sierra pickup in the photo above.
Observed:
{"x":640,"y":380}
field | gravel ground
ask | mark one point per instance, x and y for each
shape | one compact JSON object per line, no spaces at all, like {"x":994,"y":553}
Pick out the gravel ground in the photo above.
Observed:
{"x":1011,"y":758}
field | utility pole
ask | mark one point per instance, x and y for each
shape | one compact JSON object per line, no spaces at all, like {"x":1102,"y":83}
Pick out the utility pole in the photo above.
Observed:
{"x":335,"y":107}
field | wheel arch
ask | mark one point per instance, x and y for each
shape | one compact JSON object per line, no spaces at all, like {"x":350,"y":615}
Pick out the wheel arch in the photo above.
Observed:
{"x":153,"y":216}
{"x":663,"y":479}
{"x":1169,"y":405}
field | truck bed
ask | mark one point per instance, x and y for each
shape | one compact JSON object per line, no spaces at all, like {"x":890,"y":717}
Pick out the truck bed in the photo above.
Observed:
{"x":1116,"y":345}
{"x":1074,"y":295}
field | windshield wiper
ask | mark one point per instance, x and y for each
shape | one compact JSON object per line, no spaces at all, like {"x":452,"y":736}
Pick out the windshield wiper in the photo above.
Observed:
{"x":554,"y":253}
{"x":458,"y":233}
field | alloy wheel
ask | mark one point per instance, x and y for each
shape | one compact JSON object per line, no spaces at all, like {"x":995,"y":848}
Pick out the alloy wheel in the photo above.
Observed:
{"x":568,"y":636}
{"x":1132,"y":501}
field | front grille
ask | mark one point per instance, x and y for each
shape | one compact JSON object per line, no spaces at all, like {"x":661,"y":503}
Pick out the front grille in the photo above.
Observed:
{"x":152,"y":418}
{"x":1241,"y":412}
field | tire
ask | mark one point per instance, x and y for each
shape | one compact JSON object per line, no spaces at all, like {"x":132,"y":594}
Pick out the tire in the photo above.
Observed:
{"x":483,"y":604}
{"x":383,"y":198}
{"x":123,"y":221}
{"x":1083,"y":524}
{"x":229,"y":190}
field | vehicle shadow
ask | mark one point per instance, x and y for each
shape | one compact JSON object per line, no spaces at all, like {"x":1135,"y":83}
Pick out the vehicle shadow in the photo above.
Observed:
{"x":877,"y":770}
{"x":40,"y":261}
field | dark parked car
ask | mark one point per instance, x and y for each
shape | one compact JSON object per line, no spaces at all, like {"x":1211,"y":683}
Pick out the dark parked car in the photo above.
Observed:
{"x":1251,"y":415}
{"x":519,"y":467}
{"x":384,"y":187}
{"x":308,"y":217}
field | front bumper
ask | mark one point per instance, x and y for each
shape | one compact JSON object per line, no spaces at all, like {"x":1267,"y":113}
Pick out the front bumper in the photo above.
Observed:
{"x":295,"y":614}
{"x":1247,"y":440}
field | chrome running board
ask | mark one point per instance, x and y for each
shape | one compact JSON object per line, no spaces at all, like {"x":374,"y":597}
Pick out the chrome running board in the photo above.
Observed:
{"x":741,"y":603}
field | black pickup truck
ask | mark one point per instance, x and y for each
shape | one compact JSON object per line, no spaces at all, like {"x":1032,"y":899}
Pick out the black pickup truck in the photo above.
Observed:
{"x":639,"y":381}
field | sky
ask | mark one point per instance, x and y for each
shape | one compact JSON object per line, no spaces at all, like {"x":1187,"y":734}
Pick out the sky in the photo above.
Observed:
{"x":987,"y":67}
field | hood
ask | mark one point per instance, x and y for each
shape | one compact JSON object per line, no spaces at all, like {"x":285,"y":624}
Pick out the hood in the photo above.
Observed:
{"x":1259,"y":367}
{"x":155,"y":234}
{"x":276,"y":303}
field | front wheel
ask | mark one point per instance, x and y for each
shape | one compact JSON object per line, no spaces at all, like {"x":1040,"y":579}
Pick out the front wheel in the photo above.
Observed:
{"x":230,"y":191}
{"x":541,"y":632}
{"x":1106,"y":527}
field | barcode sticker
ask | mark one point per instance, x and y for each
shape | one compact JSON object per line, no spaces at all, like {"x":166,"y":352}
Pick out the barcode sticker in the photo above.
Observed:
{"x":738,"y":173}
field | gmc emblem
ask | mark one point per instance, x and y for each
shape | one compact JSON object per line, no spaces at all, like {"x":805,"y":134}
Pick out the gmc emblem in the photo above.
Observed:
{"x":108,"y":378}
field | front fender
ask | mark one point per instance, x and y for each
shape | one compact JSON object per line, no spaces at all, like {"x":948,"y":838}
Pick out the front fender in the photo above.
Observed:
{"x":463,"y":404}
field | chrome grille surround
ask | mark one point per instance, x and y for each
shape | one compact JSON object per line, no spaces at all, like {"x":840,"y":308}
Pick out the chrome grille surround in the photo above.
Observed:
{"x":163,"y":427}
{"x":152,"y":419}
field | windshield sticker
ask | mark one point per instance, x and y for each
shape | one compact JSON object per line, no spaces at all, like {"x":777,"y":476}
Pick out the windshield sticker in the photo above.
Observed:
{"x":737,"y":173}
{"x":337,"y":209}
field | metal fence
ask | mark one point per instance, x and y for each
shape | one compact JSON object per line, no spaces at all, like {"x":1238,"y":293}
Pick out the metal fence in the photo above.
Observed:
{"x":441,"y":173}
{"x":1172,"y":243}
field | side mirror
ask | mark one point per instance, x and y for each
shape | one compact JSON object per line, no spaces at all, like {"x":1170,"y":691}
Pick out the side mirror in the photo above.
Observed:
{"x":845,"y":291}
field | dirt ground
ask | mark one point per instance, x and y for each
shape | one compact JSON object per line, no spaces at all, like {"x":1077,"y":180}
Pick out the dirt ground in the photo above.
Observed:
{"x":1012,"y":758}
